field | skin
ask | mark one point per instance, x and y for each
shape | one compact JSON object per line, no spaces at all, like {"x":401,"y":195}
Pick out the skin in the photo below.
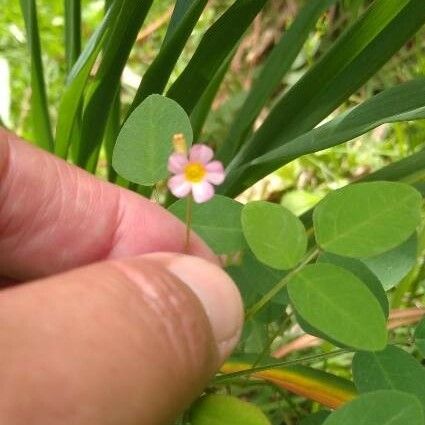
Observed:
{"x":107,"y":322}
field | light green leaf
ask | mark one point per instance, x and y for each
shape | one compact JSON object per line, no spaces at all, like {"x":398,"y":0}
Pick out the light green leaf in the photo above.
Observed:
{"x":226,"y":410}
{"x":356,"y":267}
{"x":275,"y":235}
{"x":217,"y":222}
{"x":420,"y":337}
{"x":392,"y":266}
{"x":338,"y":304}
{"x":145,"y":140}
{"x":379,"y":408}
{"x":367,"y":219}
{"x":392,"y":368}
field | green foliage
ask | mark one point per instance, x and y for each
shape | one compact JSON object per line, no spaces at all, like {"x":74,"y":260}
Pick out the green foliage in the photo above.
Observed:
{"x":379,"y":408}
{"x":355,"y":221}
{"x":226,"y":410}
{"x":217,"y":222}
{"x":337,"y":303}
{"x":143,"y":147}
{"x":392,"y":369}
{"x":317,"y":418}
{"x":274,"y":234}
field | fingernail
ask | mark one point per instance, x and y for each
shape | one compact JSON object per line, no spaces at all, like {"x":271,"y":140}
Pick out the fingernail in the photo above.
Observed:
{"x":218,"y":294}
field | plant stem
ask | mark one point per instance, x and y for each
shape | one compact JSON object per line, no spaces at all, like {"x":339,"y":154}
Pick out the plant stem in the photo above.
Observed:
{"x":280,"y":285}
{"x":229,"y":376}
{"x":189,"y":205}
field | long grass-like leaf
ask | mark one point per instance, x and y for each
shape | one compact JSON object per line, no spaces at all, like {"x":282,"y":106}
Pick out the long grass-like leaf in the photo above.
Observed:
{"x":215,"y":46}
{"x":275,"y":68}
{"x":158,"y":73}
{"x":399,"y":103}
{"x":39,"y":109}
{"x":72,"y":31}
{"x":356,"y":56}
{"x":129,"y":18}
{"x":72,"y":97}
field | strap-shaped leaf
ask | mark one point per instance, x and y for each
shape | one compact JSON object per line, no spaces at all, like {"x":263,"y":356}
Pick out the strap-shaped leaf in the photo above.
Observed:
{"x":276,"y":66}
{"x":362,"y":50}
{"x":400,"y":103}
{"x":212,"y":51}
{"x":39,"y":110}
{"x":129,"y":18}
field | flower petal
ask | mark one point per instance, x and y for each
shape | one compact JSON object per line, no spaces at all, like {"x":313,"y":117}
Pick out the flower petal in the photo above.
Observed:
{"x":201,"y":153}
{"x":179,"y":186}
{"x":176,"y":163}
{"x":202,"y":192}
{"x":215,"y":172}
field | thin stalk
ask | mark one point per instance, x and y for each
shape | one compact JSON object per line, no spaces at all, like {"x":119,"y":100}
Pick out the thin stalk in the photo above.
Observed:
{"x":280,"y":285}
{"x":242,"y":373}
{"x":72,"y":31}
{"x":189,"y":208}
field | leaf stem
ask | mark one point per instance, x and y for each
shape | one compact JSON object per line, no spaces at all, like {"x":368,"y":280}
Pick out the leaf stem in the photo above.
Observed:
{"x":189,"y":205}
{"x":280,"y":285}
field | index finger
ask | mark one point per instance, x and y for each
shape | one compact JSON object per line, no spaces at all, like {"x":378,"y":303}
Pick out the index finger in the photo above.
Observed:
{"x":54,"y":216}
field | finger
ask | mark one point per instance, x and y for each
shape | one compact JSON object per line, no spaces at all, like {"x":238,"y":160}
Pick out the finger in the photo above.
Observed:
{"x":54,"y":216}
{"x":121,"y":342}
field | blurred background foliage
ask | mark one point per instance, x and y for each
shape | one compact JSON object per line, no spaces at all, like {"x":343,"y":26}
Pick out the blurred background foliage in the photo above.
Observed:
{"x":298,"y":185}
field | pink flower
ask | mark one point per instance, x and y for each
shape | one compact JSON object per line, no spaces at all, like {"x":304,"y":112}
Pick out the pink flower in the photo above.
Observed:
{"x":196,"y":173}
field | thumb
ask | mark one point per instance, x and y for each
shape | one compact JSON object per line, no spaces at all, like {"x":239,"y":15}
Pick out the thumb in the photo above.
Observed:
{"x":115,"y":343}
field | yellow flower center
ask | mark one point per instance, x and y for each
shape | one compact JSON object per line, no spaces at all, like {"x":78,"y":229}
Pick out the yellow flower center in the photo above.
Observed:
{"x":194,"y":172}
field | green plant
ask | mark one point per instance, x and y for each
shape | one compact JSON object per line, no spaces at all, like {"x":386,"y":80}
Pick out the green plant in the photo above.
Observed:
{"x":360,"y":231}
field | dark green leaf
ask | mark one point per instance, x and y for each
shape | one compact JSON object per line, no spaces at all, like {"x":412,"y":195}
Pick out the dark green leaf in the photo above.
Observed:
{"x":215,"y":46}
{"x":316,"y":418}
{"x":420,"y":337}
{"x":72,"y":31}
{"x":144,"y":143}
{"x":339,"y":305}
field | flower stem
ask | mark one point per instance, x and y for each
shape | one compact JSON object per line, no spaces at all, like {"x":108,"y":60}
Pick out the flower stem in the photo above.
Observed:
{"x":189,"y":205}
{"x":279,"y":286}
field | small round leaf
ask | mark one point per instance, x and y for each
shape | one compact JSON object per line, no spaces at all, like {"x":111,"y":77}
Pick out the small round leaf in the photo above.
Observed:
{"x":367,"y":219}
{"x":145,"y":141}
{"x":275,"y":235}
{"x":335,"y":302}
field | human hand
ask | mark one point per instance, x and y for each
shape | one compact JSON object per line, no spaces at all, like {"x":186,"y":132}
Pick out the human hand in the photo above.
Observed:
{"x":109,"y":331}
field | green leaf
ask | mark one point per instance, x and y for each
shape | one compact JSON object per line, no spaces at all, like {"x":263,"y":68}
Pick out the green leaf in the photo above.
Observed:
{"x":392,"y":368}
{"x":226,"y":410}
{"x":145,"y":140}
{"x":156,"y":76}
{"x":367,"y":219}
{"x":362,"y":272}
{"x":275,"y":235}
{"x":72,"y":97}
{"x":339,"y":305}
{"x":130,"y":14}
{"x":392,"y":266}
{"x":39,"y":110}
{"x":275,"y":67}
{"x":379,"y":408}
{"x":400,"y":103}
{"x":317,"y":418}
{"x":420,"y":337}
{"x":217,"y":222}
{"x":361,"y":51}
{"x":254,"y":278}
{"x":72,"y":31}
{"x":215,"y":46}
